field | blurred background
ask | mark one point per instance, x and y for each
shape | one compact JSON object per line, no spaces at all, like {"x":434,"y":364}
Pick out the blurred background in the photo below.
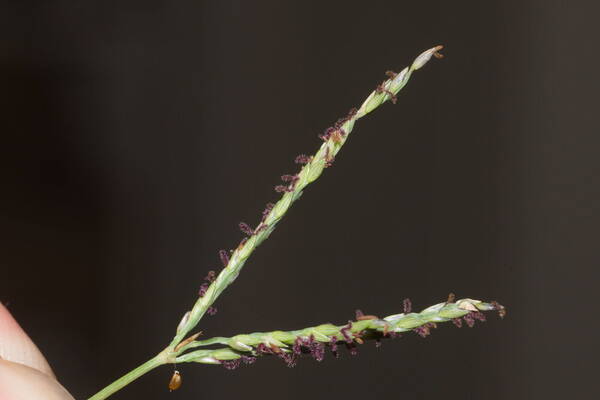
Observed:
{"x":137,"y":134}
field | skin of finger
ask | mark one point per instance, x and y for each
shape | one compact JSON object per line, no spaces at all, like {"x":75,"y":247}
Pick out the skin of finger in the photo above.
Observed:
{"x":16,"y":346}
{"x":20,"y":382}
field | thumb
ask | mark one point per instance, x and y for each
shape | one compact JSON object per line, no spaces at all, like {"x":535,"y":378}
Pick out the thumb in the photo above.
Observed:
{"x":24,"y":372}
{"x":17,"y":347}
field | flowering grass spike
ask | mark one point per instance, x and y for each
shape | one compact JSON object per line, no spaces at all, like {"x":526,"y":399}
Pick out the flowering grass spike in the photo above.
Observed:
{"x":288,"y":346}
{"x":314,"y":340}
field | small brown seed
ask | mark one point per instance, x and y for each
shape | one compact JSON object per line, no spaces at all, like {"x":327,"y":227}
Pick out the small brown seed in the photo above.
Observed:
{"x":175,"y":382}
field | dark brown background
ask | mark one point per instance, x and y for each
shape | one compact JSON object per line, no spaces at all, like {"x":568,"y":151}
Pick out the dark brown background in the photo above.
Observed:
{"x":137,"y":134}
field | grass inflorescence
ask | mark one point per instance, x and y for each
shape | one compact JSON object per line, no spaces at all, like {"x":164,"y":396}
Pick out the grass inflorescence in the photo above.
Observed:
{"x":231,"y":352}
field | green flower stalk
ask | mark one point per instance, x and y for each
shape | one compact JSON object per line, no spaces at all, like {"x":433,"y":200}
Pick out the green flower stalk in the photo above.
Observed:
{"x":288,"y":345}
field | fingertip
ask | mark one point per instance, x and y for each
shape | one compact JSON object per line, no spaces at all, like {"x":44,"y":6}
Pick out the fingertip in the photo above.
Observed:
{"x":18,"y":381}
{"x":17,"y":347}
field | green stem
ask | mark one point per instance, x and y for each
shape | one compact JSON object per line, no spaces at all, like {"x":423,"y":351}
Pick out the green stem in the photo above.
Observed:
{"x":129,"y":377}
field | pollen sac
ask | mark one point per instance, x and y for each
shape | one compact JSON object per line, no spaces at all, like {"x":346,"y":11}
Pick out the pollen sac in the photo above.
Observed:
{"x":302,"y":159}
{"x":224,"y":257}
{"x":423,"y":330}
{"x":175,"y":382}
{"x":469,"y":320}
{"x":203,"y":289}
{"x":289,"y":178}
{"x":317,"y":350}
{"x":248,"y":359}
{"x":345,"y":331}
{"x":244,"y":227}
{"x":282,"y":189}
{"x":263,"y":349}
{"x":500,"y":308}
{"x":267,"y":210}
{"x":407,"y":305}
{"x":333,"y":346}
{"x":231,"y":364}
{"x":210,"y":277}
